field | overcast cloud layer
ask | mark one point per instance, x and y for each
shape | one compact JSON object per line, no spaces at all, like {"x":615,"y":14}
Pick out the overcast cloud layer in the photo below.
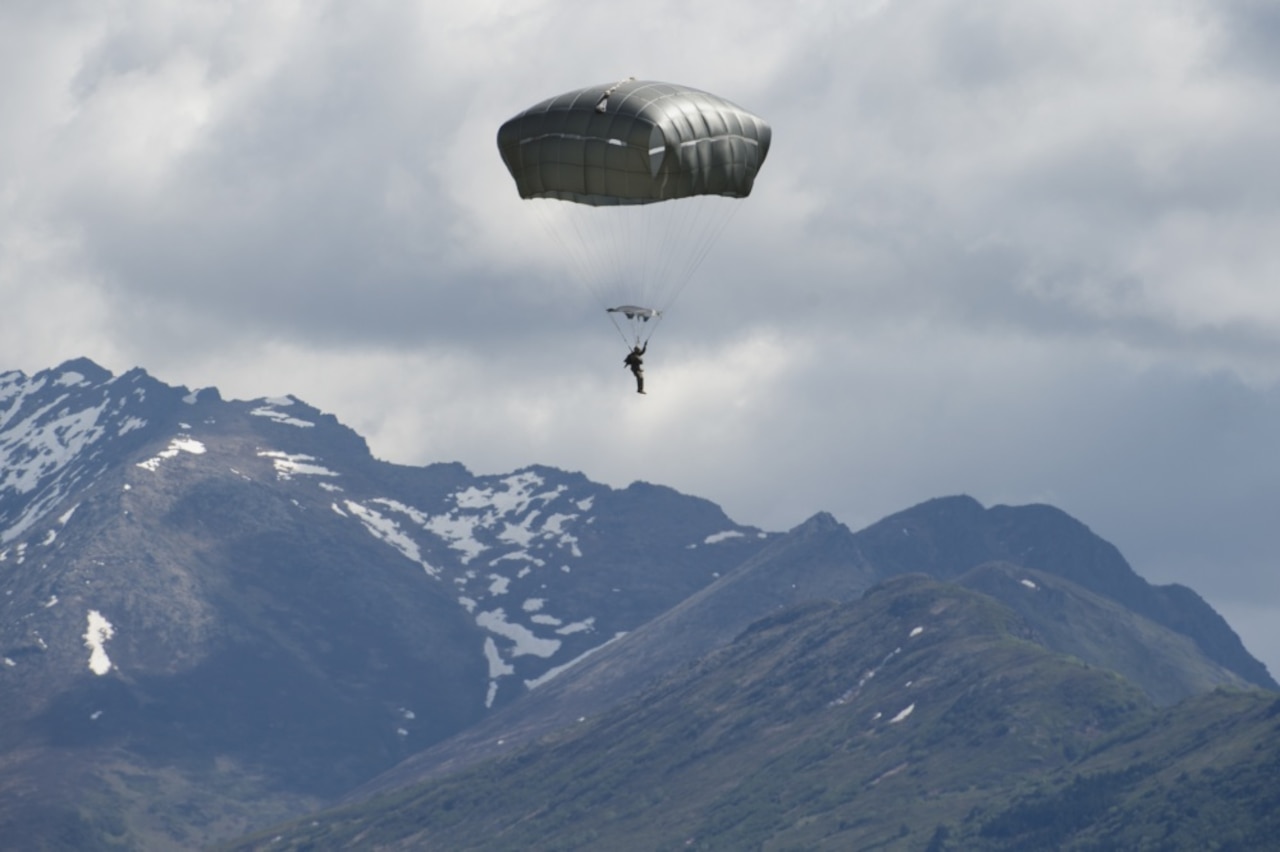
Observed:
{"x":1021,"y":249}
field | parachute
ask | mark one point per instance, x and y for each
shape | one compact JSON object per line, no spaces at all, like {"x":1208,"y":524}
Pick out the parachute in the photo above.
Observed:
{"x":635,"y":181}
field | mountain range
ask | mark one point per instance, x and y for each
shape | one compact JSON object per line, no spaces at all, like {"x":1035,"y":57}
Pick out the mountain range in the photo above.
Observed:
{"x":218,"y":615}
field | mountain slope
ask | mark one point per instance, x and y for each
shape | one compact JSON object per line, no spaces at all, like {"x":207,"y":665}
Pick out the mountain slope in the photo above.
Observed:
{"x":822,"y":560}
{"x":1201,"y":775}
{"x":235,"y":596}
{"x":1168,"y":666}
{"x":918,"y":712}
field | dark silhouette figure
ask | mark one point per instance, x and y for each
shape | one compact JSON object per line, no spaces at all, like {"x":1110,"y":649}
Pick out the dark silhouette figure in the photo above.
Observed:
{"x":635,"y":361}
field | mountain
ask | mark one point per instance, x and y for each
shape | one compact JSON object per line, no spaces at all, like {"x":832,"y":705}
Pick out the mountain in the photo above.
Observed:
{"x":822,"y":559}
{"x":219,"y":614}
{"x":947,"y":536}
{"x":232,"y":611}
{"x":923,"y":715}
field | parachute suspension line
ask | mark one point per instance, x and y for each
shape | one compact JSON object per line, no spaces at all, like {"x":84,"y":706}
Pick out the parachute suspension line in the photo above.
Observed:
{"x":706,"y":228}
{"x":635,"y":254}
{"x":574,"y":242}
{"x":602,"y":251}
{"x":675,"y":238}
{"x":646,"y":246}
{"x":643,"y":255}
{"x":665,"y":238}
{"x":623,"y":270}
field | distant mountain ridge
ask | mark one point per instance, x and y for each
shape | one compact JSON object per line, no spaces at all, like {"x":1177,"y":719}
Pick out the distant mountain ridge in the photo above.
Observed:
{"x":948,"y":536}
{"x":236,"y":597}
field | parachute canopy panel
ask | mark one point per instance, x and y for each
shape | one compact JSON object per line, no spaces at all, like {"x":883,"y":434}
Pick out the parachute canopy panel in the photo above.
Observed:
{"x":634,"y":142}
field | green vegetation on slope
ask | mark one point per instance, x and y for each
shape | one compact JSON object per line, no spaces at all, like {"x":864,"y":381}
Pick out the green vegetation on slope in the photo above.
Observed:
{"x":922,"y":716}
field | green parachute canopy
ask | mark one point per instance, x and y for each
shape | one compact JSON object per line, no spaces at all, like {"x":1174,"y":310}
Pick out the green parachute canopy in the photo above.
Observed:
{"x":634,"y":142}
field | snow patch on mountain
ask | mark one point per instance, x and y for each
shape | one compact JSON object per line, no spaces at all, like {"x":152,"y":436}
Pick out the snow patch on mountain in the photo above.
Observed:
{"x":270,"y":410}
{"x":524,"y":640}
{"x":520,"y":556}
{"x":584,"y":626}
{"x":498,"y":668}
{"x":852,"y":692}
{"x":418,"y":517}
{"x":553,"y":528}
{"x":47,"y":445}
{"x":903,"y":714}
{"x":519,"y":534}
{"x":513,"y":499}
{"x":536,"y":682}
{"x":458,"y":531}
{"x":95,"y":639}
{"x":387,"y":530}
{"x":479,"y":520}
{"x":182,"y":444}
{"x":289,"y":465}
{"x":129,"y":424}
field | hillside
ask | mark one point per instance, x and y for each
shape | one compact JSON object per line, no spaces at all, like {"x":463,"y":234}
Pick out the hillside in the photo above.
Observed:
{"x":922,"y":716}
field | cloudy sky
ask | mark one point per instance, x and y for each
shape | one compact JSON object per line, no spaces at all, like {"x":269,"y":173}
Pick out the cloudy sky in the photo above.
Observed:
{"x":1020,"y":249}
